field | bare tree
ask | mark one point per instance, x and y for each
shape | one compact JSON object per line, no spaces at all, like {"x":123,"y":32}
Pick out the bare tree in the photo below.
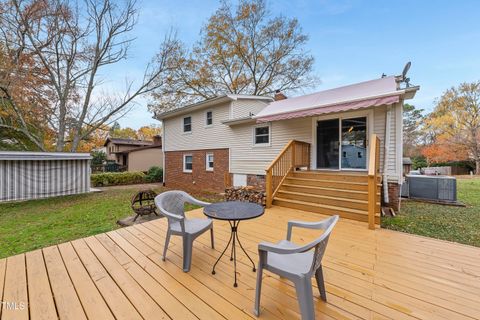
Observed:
{"x":243,"y":50}
{"x":71,"y":42}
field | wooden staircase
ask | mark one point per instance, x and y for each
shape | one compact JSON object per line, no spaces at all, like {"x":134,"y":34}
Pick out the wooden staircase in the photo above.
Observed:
{"x":352,"y":195}
{"x":345,"y":194}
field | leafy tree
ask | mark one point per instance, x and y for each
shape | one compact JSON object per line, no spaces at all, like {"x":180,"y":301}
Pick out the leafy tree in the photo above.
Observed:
{"x":125,"y":133}
{"x":98,"y":157}
{"x":56,"y":51}
{"x":148,"y":132}
{"x":242,"y":50}
{"x":412,"y":129}
{"x":454,"y":126}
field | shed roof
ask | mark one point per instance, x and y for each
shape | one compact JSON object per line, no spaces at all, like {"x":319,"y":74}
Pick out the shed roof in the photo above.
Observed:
{"x":29,"y":155}
{"x":132,"y":142}
{"x":359,"y":95}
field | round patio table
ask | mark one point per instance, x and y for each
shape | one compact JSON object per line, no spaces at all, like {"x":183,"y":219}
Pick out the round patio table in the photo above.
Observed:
{"x":233,"y":212}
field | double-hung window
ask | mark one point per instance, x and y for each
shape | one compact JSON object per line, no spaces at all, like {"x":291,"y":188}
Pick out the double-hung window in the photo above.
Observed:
{"x":262,"y":135}
{"x":208,"y":118}
{"x":187,"y":163}
{"x":187,"y":124}
{"x":209,"y":162}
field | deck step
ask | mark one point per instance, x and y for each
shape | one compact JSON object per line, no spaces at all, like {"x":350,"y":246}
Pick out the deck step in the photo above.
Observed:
{"x":348,"y":185}
{"x":336,"y":201}
{"x":354,"y":214}
{"x":325,"y":191}
{"x":333,"y":176}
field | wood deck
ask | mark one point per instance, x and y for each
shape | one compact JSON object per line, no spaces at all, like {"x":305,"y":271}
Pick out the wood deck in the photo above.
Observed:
{"x":377,"y":274}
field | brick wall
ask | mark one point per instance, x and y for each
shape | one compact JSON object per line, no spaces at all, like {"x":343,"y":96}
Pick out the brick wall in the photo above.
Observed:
{"x":393,"y":195}
{"x":199,"y":178}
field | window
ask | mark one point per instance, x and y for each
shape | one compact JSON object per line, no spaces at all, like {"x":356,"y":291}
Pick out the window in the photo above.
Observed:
{"x":262,"y":135}
{"x":187,"y":124}
{"x":208,"y":118}
{"x":187,"y":163}
{"x":209,"y":162}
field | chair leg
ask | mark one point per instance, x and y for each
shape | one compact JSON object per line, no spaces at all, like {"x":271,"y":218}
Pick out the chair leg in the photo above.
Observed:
{"x":258,"y":291}
{"x":167,"y":241}
{"x":304,"y":291}
{"x":187,"y":253}
{"x":321,"y":283}
{"x":212,"y":238}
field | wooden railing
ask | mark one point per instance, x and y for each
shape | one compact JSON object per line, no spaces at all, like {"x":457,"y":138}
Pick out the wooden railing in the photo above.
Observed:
{"x":373,"y":175}
{"x":295,"y":154}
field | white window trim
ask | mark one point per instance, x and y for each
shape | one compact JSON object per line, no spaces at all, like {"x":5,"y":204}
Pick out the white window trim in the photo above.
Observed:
{"x":269,"y":135}
{"x":184,"y":163}
{"x":208,"y":125}
{"x":183,"y":125}
{"x":207,"y":168}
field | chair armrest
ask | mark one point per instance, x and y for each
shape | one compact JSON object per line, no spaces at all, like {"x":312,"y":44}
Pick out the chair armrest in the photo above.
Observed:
{"x":307,"y":225}
{"x":192,"y":200}
{"x":275,"y":248}
{"x":172,"y":215}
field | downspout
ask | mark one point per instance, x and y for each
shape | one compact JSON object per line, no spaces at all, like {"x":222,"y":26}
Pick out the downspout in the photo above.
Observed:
{"x":163,"y":152}
{"x":385,"y":157}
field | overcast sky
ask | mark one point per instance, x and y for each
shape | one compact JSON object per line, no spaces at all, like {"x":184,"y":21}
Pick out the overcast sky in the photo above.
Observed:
{"x":351,"y":41}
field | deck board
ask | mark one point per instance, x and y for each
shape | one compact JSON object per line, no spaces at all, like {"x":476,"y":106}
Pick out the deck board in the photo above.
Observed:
{"x":379,"y":274}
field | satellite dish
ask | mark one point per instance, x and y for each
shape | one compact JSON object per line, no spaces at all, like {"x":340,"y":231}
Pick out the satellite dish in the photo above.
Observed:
{"x":404,"y":73}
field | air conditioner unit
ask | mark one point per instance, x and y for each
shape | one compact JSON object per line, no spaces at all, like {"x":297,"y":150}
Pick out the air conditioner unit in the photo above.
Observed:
{"x":436,"y":188}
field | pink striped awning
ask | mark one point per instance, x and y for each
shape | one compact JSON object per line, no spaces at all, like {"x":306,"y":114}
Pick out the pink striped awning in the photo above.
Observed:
{"x":367,"y":94}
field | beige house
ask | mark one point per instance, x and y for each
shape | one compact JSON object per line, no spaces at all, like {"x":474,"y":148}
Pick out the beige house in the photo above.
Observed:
{"x":237,"y":138}
{"x":135,"y":155}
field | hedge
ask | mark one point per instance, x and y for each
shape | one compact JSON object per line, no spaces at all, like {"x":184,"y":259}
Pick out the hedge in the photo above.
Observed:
{"x":117,"y":178}
{"x":154,"y":174}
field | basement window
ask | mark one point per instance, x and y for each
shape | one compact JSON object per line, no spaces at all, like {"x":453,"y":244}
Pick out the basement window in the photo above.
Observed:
{"x":209,"y":162}
{"x":187,"y":163}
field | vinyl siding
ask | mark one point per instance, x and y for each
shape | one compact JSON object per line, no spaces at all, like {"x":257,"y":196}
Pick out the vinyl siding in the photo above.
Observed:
{"x":201,"y":137}
{"x":243,"y":108}
{"x":249,"y":159}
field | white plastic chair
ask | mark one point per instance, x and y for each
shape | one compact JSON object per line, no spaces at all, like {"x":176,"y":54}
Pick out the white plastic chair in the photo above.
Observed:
{"x":297,"y":263}
{"x":171,"y":204}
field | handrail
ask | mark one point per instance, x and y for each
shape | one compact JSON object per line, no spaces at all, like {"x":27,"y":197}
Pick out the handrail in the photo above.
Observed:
{"x":373,"y":174}
{"x":295,"y":154}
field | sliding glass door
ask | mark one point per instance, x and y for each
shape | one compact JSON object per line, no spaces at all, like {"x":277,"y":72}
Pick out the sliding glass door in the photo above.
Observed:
{"x":342,"y":144}
{"x":354,"y":143}
{"x":328,"y":144}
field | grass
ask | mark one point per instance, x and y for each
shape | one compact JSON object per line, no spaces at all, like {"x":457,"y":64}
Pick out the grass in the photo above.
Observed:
{"x":458,"y":224}
{"x":29,"y":225}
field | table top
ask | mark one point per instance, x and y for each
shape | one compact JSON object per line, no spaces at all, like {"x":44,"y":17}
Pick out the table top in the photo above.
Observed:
{"x":233,"y":210}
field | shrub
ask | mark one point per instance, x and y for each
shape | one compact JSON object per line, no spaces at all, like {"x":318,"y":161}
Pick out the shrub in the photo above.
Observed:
{"x":98,"y":157}
{"x":116,"y":178}
{"x":154,"y":174}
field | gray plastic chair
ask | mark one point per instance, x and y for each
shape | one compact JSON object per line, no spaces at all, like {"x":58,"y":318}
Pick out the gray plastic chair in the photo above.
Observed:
{"x":297,"y":263}
{"x":171,"y":204}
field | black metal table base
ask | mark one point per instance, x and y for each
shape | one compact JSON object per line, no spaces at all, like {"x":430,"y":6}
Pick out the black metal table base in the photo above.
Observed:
{"x":233,"y":254}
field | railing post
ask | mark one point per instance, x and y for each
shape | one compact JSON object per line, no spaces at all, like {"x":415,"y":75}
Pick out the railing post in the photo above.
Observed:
{"x":372,"y":179}
{"x":268,"y":188}
{"x":294,"y":150}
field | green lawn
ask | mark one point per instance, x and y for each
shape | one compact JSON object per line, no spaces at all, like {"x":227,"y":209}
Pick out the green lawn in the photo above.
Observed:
{"x":29,"y":225}
{"x":458,"y":224}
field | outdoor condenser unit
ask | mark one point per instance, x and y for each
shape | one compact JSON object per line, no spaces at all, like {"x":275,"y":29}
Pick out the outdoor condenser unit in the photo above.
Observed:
{"x":436,"y":188}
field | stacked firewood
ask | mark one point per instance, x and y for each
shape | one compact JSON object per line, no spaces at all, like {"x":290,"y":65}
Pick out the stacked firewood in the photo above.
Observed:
{"x":248,"y":193}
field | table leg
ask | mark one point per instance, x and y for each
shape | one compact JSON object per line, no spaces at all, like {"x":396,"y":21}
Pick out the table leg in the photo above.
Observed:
{"x":230,"y":240}
{"x":233,"y":254}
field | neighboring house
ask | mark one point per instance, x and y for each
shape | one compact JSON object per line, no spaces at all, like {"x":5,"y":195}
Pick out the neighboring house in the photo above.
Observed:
{"x":143,"y":158}
{"x":135,"y":155}
{"x":240,"y":135}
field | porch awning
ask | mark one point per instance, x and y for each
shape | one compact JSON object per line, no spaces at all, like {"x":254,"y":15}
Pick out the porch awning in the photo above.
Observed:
{"x":360,"y":95}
